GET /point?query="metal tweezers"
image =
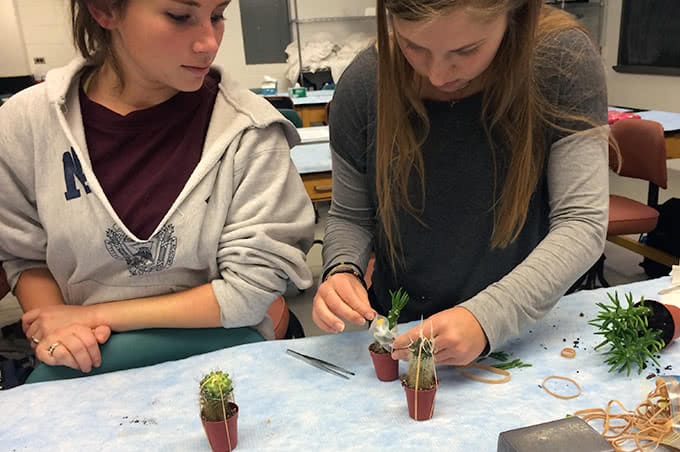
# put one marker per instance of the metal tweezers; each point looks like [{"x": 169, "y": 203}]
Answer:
[{"x": 321, "y": 364}]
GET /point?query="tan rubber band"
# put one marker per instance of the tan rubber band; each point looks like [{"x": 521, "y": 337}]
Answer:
[
  {"x": 568, "y": 352},
  {"x": 495, "y": 370},
  {"x": 559, "y": 396}
]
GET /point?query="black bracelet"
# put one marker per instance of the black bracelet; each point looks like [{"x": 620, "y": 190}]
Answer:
[{"x": 344, "y": 267}]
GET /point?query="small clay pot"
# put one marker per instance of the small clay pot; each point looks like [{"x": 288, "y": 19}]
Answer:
[
  {"x": 386, "y": 368},
  {"x": 420, "y": 403},
  {"x": 665, "y": 318},
  {"x": 223, "y": 439}
]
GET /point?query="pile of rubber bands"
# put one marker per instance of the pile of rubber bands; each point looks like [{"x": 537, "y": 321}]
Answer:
[{"x": 655, "y": 421}]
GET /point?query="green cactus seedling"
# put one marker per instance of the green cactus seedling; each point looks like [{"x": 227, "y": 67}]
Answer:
[{"x": 215, "y": 393}]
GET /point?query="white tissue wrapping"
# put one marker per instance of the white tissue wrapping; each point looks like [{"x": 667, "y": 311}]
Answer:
[{"x": 382, "y": 333}]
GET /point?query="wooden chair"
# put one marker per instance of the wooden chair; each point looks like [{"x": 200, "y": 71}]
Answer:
[{"x": 642, "y": 148}]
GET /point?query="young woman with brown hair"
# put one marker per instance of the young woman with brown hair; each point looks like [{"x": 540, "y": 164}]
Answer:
[
  {"x": 145, "y": 191},
  {"x": 470, "y": 155}
]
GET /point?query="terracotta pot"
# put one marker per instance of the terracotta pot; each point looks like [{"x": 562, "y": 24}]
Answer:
[
  {"x": 386, "y": 368},
  {"x": 420, "y": 403},
  {"x": 665, "y": 318},
  {"x": 675, "y": 314},
  {"x": 222, "y": 439}
]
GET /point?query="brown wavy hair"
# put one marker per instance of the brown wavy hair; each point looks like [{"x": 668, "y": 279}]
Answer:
[
  {"x": 92, "y": 40},
  {"x": 513, "y": 107}
]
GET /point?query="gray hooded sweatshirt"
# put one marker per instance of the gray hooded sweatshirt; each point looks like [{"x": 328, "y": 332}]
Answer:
[{"x": 242, "y": 222}]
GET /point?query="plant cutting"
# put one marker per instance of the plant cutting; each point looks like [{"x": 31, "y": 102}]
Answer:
[
  {"x": 635, "y": 332},
  {"x": 384, "y": 330},
  {"x": 219, "y": 412},
  {"x": 420, "y": 383}
]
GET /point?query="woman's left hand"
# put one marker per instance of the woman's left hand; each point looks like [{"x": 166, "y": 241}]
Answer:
[
  {"x": 42, "y": 322},
  {"x": 458, "y": 337}
]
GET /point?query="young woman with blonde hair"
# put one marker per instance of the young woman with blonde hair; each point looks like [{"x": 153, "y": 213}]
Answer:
[
  {"x": 145, "y": 192},
  {"x": 470, "y": 155}
]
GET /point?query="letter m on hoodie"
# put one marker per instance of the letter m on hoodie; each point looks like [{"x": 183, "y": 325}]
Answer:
[{"x": 73, "y": 171}]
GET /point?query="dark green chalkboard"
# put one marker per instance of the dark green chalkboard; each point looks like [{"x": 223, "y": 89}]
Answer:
[{"x": 649, "y": 41}]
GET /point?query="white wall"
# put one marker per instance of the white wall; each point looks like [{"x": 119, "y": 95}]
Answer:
[
  {"x": 47, "y": 32},
  {"x": 653, "y": 92},
  {"x": 13, "y": 60}
]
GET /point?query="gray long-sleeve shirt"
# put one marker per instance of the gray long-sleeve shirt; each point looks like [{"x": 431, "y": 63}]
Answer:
[{"x": 447, "y": 256}]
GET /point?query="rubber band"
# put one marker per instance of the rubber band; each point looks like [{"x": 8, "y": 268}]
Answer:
[
  {"x": 646, "y": 426},
  {"x": 568, "y": 352},
  {"x": 560, "y": 396},
  {"x": 495, "y": 370}
]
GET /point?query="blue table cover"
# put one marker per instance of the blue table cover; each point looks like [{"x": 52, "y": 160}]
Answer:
[{"x": 286, "y": 404}]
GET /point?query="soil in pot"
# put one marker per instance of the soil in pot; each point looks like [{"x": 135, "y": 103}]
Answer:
[{"x": 665, "y": 318}]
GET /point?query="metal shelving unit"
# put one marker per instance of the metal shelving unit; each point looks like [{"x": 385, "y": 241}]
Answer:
[{"x": 297, "y": 21}]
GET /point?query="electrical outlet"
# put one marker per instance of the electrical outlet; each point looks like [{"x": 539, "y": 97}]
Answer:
[{"x": 39, "y": 60}]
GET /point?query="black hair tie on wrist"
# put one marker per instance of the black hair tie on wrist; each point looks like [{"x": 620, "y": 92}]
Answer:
[{"x": 344, "y": 267}]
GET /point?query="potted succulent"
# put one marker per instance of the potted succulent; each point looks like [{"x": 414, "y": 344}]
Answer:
[
  {"x": 219, "y": 413},
  {"x": 635, "y": 332},
  {"x": 384, "y": 330},
  {"x": 420, "y": 383}
]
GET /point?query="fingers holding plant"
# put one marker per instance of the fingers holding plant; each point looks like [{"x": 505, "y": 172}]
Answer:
[
  {"x": 341, "y": 297},
  {"x": 458, "y": 337}
]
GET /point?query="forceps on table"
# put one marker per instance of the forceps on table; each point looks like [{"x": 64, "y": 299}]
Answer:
[{"x": 321, "y": 364}]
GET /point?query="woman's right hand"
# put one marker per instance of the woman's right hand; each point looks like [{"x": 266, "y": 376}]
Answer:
[
  {"x": 341, "y": 297},
  {"x": 75, "y": 346}
]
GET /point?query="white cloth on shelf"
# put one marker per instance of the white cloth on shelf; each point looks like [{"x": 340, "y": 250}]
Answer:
[{"x": 321, "y": 51}]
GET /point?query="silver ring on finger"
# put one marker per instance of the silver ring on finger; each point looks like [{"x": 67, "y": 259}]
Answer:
[
  {"x": 53, "y": 347},
  {"x": 35, "y": 340}
]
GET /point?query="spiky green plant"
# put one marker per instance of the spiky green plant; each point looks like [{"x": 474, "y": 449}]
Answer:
[
  {"x": 215, "y": 393},
  {"x": 399, "y": 301},
  {"x": 421, "y": 370},
  {"x": 627, "y": 332}
]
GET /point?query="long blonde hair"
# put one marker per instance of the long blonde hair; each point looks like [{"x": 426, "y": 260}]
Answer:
[{"x": 512, "y": 106}]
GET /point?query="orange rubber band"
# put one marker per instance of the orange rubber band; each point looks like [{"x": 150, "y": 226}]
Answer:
[
  {"x": 568, "y": 352},
  {"x": 495, "y": 370}
]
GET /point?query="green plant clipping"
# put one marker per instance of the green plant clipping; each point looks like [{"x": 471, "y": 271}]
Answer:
[
  {"x": 399, "y": 301},
  {"x": 505, "y": 363},
  {"x": 625, "y": 329},
  {"x": 215, "y": 393}
]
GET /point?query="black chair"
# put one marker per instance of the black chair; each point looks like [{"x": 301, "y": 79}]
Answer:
[
  {"x": 280, "y": 102},
  {"x": 12, "y": 85}
]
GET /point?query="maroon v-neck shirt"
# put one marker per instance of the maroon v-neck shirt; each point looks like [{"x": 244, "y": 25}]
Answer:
[{"x": 143, "y": 159}]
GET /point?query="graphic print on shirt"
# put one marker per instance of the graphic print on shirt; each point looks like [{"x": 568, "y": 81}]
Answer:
[
  {"x": 73, "y": 171},
  {"x": 153, "y": 255}
]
